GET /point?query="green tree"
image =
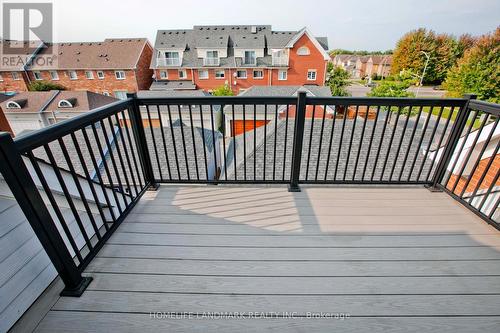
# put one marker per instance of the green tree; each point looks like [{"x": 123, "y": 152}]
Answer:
[
  {"x": 45, "y": 86},
  {"x": 393, "y": 89},
  {"x": 337, "y": 80},
  {"x": 223, "y": 90},
  {"x": 443, "y": 50},
  {"x": 478, "y": 71}
]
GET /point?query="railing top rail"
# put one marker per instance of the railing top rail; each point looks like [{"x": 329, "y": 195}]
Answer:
[
  {"x": 53, "y": 132},
  {"x": 488, "y": 107},
  {"x": 216, "y": 100},
  {"x": 387, "y": 101}
]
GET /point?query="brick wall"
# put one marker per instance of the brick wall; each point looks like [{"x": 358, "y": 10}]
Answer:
[
  {"x": 476, "y": 176},
  {"x": 109, "y": 84},
  {"x": 8, "y": 84},
  {"x": 143, "y": 73}
]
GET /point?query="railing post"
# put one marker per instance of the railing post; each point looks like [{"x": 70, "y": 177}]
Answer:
[
  {"x": 28, "y": 198},
  {"x": 142, "y": 145},
  {"x": 300, "y": 116},
  {"x": 454, "y": 137}
]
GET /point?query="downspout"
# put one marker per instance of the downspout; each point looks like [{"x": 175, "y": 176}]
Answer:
[
  {"x": 30, "y": 60},
  {"x": 41, "y": 114}
]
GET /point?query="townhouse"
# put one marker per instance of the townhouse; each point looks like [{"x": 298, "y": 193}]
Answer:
[
  {"x": 378, "y": 66},
  {"x": 240, "y": 56},
  {"x": 113, "y": 67},
  {"x": 13, "y": 67},
  {"x": 32, "y": 110}
]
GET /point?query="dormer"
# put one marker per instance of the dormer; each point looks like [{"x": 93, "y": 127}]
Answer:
[
  {"x": 170, "y": 47},
  {"x": 211, "y": 46},
  {"x": 248, "y": 47},
  {"x": 66, "y": 103},
  {"x": 16, "y": 104}
]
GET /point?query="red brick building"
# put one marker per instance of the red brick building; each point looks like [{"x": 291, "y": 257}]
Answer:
[
  {"x": 113, "y": 67},
  {"x": 13, "y": 74},
  {"x": 207, "y": 57}
]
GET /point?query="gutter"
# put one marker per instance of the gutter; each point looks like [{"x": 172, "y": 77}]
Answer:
[{"x": 44, "y": 106}]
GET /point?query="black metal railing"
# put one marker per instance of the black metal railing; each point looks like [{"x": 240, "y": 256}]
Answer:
[{"x": 77, "y": 180}]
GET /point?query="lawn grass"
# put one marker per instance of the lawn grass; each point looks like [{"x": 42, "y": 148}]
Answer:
[{"x": 446, "y": 115}]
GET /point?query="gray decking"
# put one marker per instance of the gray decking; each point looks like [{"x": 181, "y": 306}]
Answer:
[{"x": 394, "y": 259}]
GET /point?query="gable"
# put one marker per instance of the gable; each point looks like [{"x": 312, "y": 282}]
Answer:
[{"x": 305, "y": 33}]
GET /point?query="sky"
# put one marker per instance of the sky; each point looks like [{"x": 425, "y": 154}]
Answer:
[{"x": 348, "y": 24}]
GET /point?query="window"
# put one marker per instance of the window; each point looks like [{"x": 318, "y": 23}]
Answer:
[
  {"x": 282, "y": 75},
  {"x": 121, "y": 94},
  {"x": 72, "y": 75},
  {"x": 89, "y": 75},
  {"x": 172, "y": 59},
  {"x": 311, "y": 75},
  {"x": 258, "y": 74},
  {"x": 203, "y": 74},
  {"x": 302, "y": 51},
  {"x": 15, "y": 76},
  {"x": 163, "y": 75},
  {"x": 212, "y": 54},
  {"x": 13, "y": 105},
  {"x": 241, "y": 74},
  {"x": 105, "y": 93},
  {"x": 220, "y": 74},
  {"x": 100, "y": 75},
  {"x": 250, "y": 58},
  {"x": 120, "y": 75},
  {"x": 37, "y": 75},
  {"x": 64, "y": 103},
  {"x": 182, "y": 74},
  {"x": 54, "y": 75},
  {"x": 1, "y": 78}
]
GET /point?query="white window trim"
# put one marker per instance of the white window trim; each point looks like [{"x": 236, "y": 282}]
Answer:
[
  {"x": 73, "y": 78},
  {"x": 244, "y": 57},
  {"x": 118, "y": 76},
  {"x": 13, "y": 105},
  {"x": 91, "y": 75},
  {"x": 286, "y": 75},
  {"x": 223, "y": 74},
  {"x": 306, "y": 49},
  {"x": 164, "y": 77},
  {"x": 258, "y": 77},
  {"x": 52, "y": 77},
  {"x": 105, "y": 93},
  {"x": 39, "y": 74},
  {"x": 100, "y": 77},
  {"x": 184, "y": 74},
  {"x": 315, "y": 74},
  {"x": 1, "y": 78},
  {"x": 63, "y": 103},
  {"x": 242, "y": 77},
  {"x": 203, "y": 78},
  {"x": 15, "y": 76}
]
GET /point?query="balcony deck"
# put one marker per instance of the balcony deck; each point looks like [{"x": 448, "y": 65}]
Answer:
[{"x": 391, "y": 258}]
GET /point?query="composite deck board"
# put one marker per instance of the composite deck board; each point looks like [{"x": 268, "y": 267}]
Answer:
[
  {"x": 394, "y": 259},
  {"x": 296, "y": 254},
  {"x": 296, "y": 268},
  {"x": 90, "y": 322},
  {"x": 356, "y": 305}
]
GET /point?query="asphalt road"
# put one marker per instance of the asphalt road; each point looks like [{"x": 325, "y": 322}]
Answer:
[{"x": 358, "y": 90}]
